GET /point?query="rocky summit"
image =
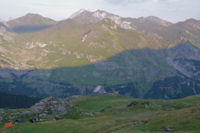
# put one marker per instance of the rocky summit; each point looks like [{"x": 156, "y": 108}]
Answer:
[{"x": 54, "y": 106}]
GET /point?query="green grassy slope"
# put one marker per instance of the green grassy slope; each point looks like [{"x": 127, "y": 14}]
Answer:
[
  {"x": 70, "y": 43},
  {"x": 119, "y": 114}
]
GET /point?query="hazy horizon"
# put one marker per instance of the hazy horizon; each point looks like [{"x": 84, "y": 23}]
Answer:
[{"x": 170, "y": 10}]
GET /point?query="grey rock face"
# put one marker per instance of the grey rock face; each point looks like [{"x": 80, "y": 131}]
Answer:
[
  {"x": 49, "y": 108},
  {"x": 55, "y": 106}
]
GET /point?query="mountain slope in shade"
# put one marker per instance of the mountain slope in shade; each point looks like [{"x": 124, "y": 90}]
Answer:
[
  {"x": 30, "y": 23},
  {"x": 140, "y": 73}
]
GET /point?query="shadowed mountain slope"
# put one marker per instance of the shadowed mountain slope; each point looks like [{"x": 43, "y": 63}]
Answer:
[{"x": 139, "y": 73}]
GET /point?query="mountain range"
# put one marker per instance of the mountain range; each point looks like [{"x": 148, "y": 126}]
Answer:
[{"x": 144, "y": 57}]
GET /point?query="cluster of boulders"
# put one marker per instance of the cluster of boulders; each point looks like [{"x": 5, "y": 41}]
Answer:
[{"x": 52, "y": 107}]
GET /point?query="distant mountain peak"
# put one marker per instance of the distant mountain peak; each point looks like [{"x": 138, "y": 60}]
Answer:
[
  {"x": 29, "y": 23},
  {"x": 85, "y": 16},
  {"x": 98, "y": 13},
  {"x": 101, "y": 11},
  {"x": 101, "y": 14},
  {"x": 31, "y": 18},
  {"x": 191, "y": 20},
  {"x": 158, "y": 20},
  {"x": 76, "y": 14},
  {"x": 92, "y": 16},
  {"x": 153, "y": 18},
  {"x": 190, "y": 24},
  {"x": 32, "y": 14}
]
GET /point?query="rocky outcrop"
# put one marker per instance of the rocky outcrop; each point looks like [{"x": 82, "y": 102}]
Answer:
[
  {"x": 48, "y": 108},
  {"x": 54, "y": 106}
]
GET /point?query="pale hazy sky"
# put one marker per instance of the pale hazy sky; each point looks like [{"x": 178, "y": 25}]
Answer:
[{"x": 171, "y": 10}]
